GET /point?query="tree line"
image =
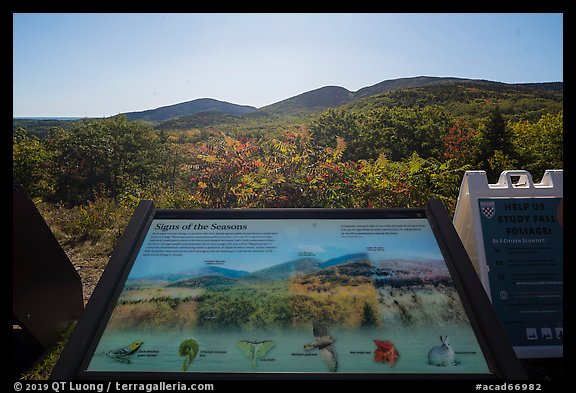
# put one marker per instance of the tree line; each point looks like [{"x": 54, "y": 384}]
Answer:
[{"x": 382, "y": 157}]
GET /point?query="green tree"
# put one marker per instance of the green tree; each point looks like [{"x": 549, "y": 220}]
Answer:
[
  {"x": 339, "y": 123},
  {"x": 497, "y": 151},
  {"x": 369, "y": 317},
  {"x": 31, "y": 163},
  {"x": 105, "y": 157},
  {"x": 395, "y": 132},
  {"x": 539, "y": 145}
]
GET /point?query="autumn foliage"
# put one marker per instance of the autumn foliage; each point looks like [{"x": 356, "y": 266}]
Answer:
[{"x": 375, "y": 161}]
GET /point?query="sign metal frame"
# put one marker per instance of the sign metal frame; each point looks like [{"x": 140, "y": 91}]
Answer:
[{"x": 497, "y": 351}]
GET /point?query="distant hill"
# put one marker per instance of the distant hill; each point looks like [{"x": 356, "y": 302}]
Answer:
[
  {"x": 469, "y": 99},
  {"x": 311, "y": 101},
  {"x": 200, "y": 272},
  {"x": 362, "y": 256},
  {"x": 197, "y": 120},
  {"x": 189, "y": 108},
  {"x": 288, "y": 269},
  {"x": 404, "y": 83},
  {"x": 41, "y": 126},
  {"x": 333, "y": 96},
  {"x": 544, "y": 86},
  {"x": 285, "y": 270},
  {"x": 460, "y": 96},
  {"x": 352, "y": 273},
  {"x": 204, "y": 282}
]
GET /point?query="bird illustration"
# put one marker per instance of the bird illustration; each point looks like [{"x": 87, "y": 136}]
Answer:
[
  {"x": 255, "y": 350},
  {"x": 123, "y": 354},
  {"x": 324, "y": 343},
  {"x": 188, "y": 348}
]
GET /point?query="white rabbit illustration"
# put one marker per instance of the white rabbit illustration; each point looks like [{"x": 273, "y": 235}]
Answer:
[{"x": 441, "y": 355}]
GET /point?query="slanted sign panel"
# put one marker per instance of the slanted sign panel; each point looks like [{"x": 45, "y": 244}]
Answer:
[
  {"x": 524, "y": 255},
  {"x": 303, "y": 295}
]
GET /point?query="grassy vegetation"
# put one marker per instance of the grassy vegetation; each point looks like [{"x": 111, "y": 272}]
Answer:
[
  {"x": 420, "y": 305},
  {"x": 166, "y": 313},
  {"x": 43, "y": 367}
]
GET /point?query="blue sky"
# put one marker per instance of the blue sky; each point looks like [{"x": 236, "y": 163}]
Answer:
[{"x": 103, "y": 64}]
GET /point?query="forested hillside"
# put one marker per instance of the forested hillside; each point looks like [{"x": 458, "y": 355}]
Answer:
[{"x": 394, "y": 149}]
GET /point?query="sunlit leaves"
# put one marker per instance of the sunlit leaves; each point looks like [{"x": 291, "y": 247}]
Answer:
[
  {"x": 31, "y": 164},
  {"x": 386, "y": 157},
  {"x": 540, "y": 144}
]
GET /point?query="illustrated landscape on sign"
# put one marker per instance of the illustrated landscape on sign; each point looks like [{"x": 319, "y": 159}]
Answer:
[{"x": 358, "y": 293}]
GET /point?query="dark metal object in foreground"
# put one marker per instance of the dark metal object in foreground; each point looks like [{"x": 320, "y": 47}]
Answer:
[{"x": 46, "y": 289}]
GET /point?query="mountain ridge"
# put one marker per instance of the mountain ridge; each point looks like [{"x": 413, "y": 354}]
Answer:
[
  {"x": 282, "y": 270},
  {"x": 187, "y": 108},
  {"x": 404, "y": 83},
  {"x": 197, "y": 272},
  {"x": 316, "y": 100}
]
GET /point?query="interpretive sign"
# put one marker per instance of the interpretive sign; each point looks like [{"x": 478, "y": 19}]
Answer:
[
  {"x": 523, "y": 243},
  {"x": 303, "y": 292},
  {"x": 519, "y": 256}
]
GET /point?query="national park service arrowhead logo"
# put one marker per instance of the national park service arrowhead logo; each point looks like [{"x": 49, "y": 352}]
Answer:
[{"x": 488, "y": 208}]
